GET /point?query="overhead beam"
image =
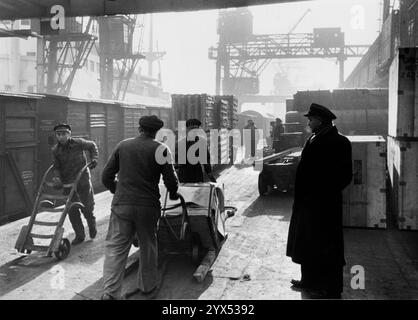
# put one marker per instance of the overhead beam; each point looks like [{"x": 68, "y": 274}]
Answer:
[{"x": 24, "y": 9}]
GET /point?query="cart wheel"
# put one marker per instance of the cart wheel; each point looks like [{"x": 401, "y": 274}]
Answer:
[
  {"x": 196, "y": 252},
  {"x": 63, "y": 249}
]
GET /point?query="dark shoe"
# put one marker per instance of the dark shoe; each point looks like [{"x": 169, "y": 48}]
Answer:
[
  {"x": 299, "y": 284},
  {"x": 77, "y": 240},
  {"x": 92, "y": 227},
  {"x": 107, "y": 296},
  {"x": 92, "y": 231}
]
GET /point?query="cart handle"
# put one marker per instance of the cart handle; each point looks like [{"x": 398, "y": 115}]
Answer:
[{"x": 184, "y": 219}]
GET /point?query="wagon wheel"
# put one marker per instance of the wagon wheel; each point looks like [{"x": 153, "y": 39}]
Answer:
[
  {"x": 63, "y": 249},
  {"x": 212, "y": 222}
]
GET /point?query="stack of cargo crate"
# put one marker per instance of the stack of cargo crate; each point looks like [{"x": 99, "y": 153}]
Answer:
[
  {"x": 232, "y": 111},
  {"x": 232, "y": 105},
  {"x": 302, "y": 100},
  {"x": 402, "y": 157},
  {"x": 194, "y": 106},
  {"x": 361, "y": 111},
  {"x": 212, "y": 113},
  {"x": 222, "y": 116},
  {"x": 364, "y": 200},
  {"x": 358, "y": 111},
  {"x": 289, "y": 105}
]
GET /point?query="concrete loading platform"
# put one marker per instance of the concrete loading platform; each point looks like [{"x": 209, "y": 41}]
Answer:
[{"x": 251, "y": 265}]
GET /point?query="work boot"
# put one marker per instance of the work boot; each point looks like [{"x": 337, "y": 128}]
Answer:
[
  {"x": 300, "y": 284},
  {"x": 78, "y": 227},
  {"x": 77, "y": 240},
  {"x": 92, "y": 228}
]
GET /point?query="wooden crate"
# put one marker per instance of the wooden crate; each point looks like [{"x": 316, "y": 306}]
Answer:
[
  {"x": 197, "y": 106},
  {"x": 403, "y": 173},
  {"x": 403, "y": 105},
  {"x": 364, "y": 200},
  {"x": 302, "y": 100}
]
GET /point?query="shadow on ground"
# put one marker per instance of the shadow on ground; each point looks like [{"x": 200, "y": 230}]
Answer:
[
  {"x": 24, "y": 269},
  {"x": 177, "y": 283},
  {"x": 275, "y": 203}
]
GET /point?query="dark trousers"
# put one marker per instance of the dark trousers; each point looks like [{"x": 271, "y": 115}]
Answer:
[
  {"x": 85, "y": 195},
  {"x": 327, "y": 277},
  {"x": 125, "y": 222}
]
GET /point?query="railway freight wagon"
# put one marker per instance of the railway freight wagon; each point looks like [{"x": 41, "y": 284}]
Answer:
[
  {"x": 27, "y": 139},
  {"x": 18, "y": 155},
  {"x": 131, "y": 113}
]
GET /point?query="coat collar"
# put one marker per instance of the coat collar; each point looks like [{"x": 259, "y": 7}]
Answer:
[{"x": 324, "y": 132}]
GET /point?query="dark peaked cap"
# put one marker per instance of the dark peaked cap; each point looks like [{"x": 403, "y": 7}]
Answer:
[
  {"x": 316, "y": 110},
  {"x": 151, "y": 122},
  {"x": 193, "y": 122},
  {"x": 62, "y": 127}
]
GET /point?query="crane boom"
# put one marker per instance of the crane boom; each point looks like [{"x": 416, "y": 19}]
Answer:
[{"x": 300, "y": 20}]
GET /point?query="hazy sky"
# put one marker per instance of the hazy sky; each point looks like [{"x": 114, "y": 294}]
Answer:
[{"x": 187, "y": 36}]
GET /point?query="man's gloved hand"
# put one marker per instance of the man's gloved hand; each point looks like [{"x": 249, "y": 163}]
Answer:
[
  {"x": 93, "y": 164},
  {"x": 211, "y": 177},
  {"x": 57, "y": 183},
  {"x": 174, "y": 196}
]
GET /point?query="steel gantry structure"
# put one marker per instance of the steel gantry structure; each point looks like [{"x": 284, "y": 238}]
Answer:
[
  {"x": 246, "y": 60},
  {"x": 61, "y": 55}
]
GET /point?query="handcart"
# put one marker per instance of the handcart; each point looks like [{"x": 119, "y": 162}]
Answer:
[
  {"x": 46, "y": 201},
  {"x": 195, "y": 225}
]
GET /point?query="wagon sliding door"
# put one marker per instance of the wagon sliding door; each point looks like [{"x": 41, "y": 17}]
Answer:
[{"x": 18, "y": 157}]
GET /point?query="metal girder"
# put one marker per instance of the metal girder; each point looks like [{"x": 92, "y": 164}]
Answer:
[
  {"x": 24, "y": 9},
  {"x": 249, "y": 59},
  {"x": 63, "y": 56},
  {"x": 284, "y": 46}
]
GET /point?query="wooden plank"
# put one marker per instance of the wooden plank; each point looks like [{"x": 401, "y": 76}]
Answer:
[{"x": 201, "y": 271}]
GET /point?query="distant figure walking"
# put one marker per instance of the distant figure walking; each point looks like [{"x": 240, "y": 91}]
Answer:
[
  {"x": 250, "y": 150},
  {"x": 278, "y": 129}
]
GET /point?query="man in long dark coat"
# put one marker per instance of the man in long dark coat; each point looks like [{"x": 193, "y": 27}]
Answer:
[{"x": 315, "y": 239}]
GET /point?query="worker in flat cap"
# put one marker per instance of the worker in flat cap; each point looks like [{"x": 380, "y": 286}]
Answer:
[
  {"x": 132, "y": 174},
  {"x": 69, "y": 157},
  {"x": 193, "y": 173},
  {"x": 315, "y": 238}
]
